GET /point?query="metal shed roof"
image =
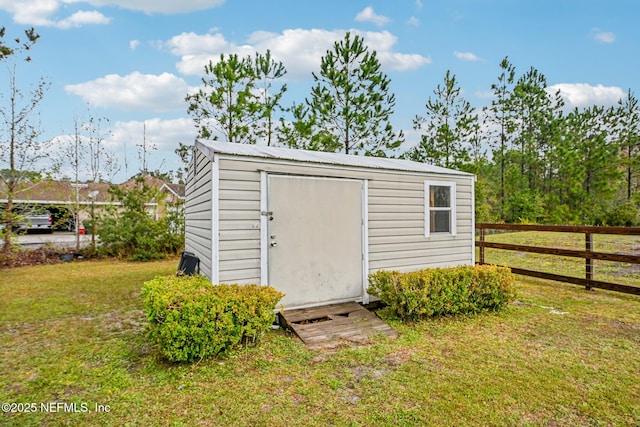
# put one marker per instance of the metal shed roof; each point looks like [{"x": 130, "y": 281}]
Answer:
[{"x": 209, "y": 148}]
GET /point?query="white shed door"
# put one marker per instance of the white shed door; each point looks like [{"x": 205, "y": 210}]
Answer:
[{"x": 315, "y": 239}]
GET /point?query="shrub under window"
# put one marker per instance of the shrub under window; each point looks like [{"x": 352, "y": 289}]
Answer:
[{"x": 443, "y": 291}]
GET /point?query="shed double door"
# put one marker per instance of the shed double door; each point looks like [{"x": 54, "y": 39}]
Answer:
[{"x": 315, "y": 239}]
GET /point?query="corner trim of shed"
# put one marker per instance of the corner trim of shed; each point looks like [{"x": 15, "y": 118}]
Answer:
[{"x": 215, "y": 219}]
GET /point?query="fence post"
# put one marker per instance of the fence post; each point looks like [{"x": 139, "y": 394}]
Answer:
[
  {"x": 589, "y": 261},
  {"x": 481, "y": 245}
]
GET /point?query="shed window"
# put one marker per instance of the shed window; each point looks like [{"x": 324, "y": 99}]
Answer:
[{"x": 440, "y": 208}]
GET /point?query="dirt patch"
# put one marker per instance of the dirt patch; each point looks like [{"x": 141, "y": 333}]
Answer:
[{"x": 24, "y": 258}]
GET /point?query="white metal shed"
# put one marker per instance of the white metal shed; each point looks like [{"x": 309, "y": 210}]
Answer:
[{"x": 315, "y": 224}]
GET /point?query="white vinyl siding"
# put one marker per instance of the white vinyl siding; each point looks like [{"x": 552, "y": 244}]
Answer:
[
  {"x": 396, "y": 210},
  {"x": 397, "y": 228},
  {"x": 198, "y": 208},
  {"x": 239, "y": 222}
]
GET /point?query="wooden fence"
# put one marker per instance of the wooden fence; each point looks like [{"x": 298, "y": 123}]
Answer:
[{"x": 588, "y": 254}]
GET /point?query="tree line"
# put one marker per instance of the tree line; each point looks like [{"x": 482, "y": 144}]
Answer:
[{"x": 535, "y": 161}]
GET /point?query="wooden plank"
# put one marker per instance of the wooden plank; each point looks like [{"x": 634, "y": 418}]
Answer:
[
  {"x": 635, "y": 290},
  {"x": 315, "y": 312},
  {"x": 329, "y": 325},
  {"x": 628, "y": 231},
  {"x": 588, "y": 254},
  {"x": 603, "y": 256}
]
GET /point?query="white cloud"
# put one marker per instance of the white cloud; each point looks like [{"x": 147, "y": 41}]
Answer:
[
  {"x": 123, "y": 138},
  {"x": 164, "y": 135},
  {"x": 161, "y": 136},
  {"x": 30, "y": 12},
  {"x": 81, "y": 18},
  {"x": 155, "y": 6},
  {"x": 585, "y": 95},
  {"x": 136, "y": 91},
  {"x": 413, "y": 21},
  {"x": 44, "y": 13},
  {"x": 186, "y": 44},
  {"x": 603, "y": 36},
  {"x": 368, "y": 15},
  {"x": 300, "y": 50},
  {"x": 466, "y": 56}
]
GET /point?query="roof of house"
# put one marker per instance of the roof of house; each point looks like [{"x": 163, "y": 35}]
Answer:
[
  {"x": 64, "y": 192},
  {"x": 61, "y": 191},
  {"x": 152, "y": 181},
  {"x": 209, "y": 148}
]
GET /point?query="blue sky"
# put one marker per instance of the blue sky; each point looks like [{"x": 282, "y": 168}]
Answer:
[{"x": 133, "y": 61}]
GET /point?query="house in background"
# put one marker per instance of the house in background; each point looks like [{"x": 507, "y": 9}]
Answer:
[
  {"x": 314, "y": 225},
  {"x": 62, "y": 198},
  {"x": 169, "y": 193}
]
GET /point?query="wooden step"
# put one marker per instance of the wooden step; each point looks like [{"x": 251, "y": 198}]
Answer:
[{"x": 330, "y": 325}]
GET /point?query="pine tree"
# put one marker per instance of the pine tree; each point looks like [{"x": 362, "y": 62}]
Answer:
[
  {"x": 351, "y": 103},
  {"x": 538, "y": 125},
  {"x": 586, "y": 164},
  {"x": 267, "y": 71},
  {"x": 448, "y": 126},
  {"x": 226, "y": 104},
  {"x": 628, "y": 113},
  {"x": 499, "y": 115}
]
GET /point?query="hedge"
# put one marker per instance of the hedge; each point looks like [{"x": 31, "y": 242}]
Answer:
[
  {"x": 443, "y": 291},
  {"x": 190, "y": 319}
]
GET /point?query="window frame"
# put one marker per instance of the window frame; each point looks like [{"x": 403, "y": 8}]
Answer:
[{"x": 428, "y": 209}]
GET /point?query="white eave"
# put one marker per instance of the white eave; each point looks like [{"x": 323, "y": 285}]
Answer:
[{"x": 209, "y": 148}]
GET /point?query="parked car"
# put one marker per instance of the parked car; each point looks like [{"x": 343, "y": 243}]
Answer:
[{"x": 35, "y": 220}]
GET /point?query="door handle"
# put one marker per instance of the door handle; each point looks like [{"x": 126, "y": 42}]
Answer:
[{"x": 274, "y": 244}]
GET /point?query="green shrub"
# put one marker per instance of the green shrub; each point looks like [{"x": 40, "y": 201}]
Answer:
[
  {"x": 191, "y": 319},
  {"x": 130, "y": 229},
  {"x": 625, "y": 215},
  {"x": 443, "y": 291}
]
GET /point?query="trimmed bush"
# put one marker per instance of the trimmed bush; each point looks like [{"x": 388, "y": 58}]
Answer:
[
  {"x": 443, "y": 291},
  {"x": 190, "y": 319}
]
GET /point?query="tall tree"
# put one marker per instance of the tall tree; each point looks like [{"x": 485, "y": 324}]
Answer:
[
  {"x": 448, "y": 127},
  {"x": 537, "y": 126},
  {"x": 351, "y": 101},
  {"x": 628, "y": 132},
  {"x": 239, "y": 98},
  {"x": 20, "y": 146},
  {"x": 267, "y": 71},
  {"x": 301, "y": 131},
  {"x": 102, "y": 164},
  {"x": 586, "y": 167},
  {"x": 499, "y": 116},
  {"x": 83, "y": 156},
  {"x": 226, "y": 104}
]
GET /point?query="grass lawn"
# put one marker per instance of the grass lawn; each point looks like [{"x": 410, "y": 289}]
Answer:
[{"x": 73, "y": 342}]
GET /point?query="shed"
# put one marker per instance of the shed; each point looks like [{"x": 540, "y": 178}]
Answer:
[{"x": 314, "y": 225}]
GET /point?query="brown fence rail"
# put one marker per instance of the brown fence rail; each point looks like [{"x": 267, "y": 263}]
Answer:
[{"x": 588, "y": 254}]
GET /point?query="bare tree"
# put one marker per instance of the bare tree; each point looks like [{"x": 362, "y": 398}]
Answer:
[
  {"x": 82, "y": 156},
  {"x": 20, "y": 144}
]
